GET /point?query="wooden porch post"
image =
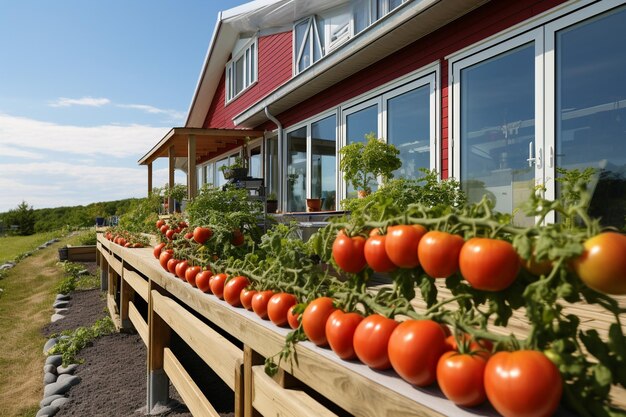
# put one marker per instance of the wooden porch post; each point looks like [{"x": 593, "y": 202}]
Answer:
[
  {"x": 149, "y": 179},
  {"x": 192, "y": 174},
  {"x": 171, "y": 158}
]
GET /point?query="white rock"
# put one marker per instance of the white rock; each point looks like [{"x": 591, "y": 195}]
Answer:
[{"x": 56, "y": 317}]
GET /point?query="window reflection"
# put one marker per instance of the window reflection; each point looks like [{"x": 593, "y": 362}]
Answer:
[
  {"x": 591, "y": 109},
  {"x": 323, "y": 161},
  {"x": 359, "y": 124},
  {"x": 271, "y": 170},
  {"x": 296, "y": 170},
  {"x": 408, "y": 128}
]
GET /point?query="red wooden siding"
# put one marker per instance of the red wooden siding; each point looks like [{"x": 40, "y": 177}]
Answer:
[
  {"x": 483, "y": 22},
  {"x": 275, "y": 61}
]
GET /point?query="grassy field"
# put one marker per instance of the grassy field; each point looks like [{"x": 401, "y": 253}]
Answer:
[
  {"x": 11, "y": 246},
  {"x": 25, "y": 307}
]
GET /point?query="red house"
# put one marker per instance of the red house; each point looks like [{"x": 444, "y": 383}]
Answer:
[{"x": 499, "y": 94}]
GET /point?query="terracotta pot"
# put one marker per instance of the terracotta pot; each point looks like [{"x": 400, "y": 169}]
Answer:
[
  {"x": 313, "y": 204},
  {"x": 362, "y": 193},
  {"x": 272, "y": 206}
]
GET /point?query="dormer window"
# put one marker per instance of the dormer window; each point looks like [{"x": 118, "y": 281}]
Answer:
[
  {"x": 317, "y": 35},
  {"x": 241, "y": 71}
]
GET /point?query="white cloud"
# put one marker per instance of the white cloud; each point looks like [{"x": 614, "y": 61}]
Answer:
[
  {"x": 106, "y": 140},
  {"x": 53, "y": 184},
  {"x": 84, "y": 101},
  {"x": 154, "y": 110},
  {"x": 19, "y": 153}
]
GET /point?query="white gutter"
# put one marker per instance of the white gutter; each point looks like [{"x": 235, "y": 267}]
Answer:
[{"x": 281, "y": 178}]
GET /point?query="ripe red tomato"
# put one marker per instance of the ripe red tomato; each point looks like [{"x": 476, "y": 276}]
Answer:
[
  {"x": 602, "y": 266},
  {"x": 164, "y": 228},
  {"x": 438, "y": 253},
  {"x": 460, "y": 377},
  {"x": 293, "y": 318},
  {"x": 181, "y": 268},
  {"x": 191, "y": 273},
  {"x": 160, "y": 223},
  {"x": 237, "y": 238},
  {"x": 259, "y": 303},
  {"x": 245, "y": 296},
  {"x": 202, "y": 234},
  {"x": 203, "y": 280},
  {"x": 523, "y": 383},
  {"x": 348, "y": 252},
  {"x": 340, "y": 328},
  {"x": 371, "y": 338},
  {"x": 217, "y": 284},
  {"x": 314, "y": 319},
  {"x": 489, "y": 264},
  {"x": 401, "y": 244},
  {"x": 164, "y": 258},
  {"x": 171, "y": 265},
  {"x": 376, "y": 255},
  {"x": 188, "y": 235},
  {"x": 233, "y": 288},
  {"x": 170, "y": 234},
  {"x": 278, "y": 306},
  {"x": 415, "y": 346}
]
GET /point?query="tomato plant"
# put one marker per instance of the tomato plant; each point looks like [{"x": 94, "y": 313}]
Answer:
[
  {"x": 217, "y": 284},
  {"x": 314, "y": 319},
  {"x": 602, "y": 265},
  {"x": 203, "y": 280},
  {"x": 375, "y": 253},
  {"x": 438, "y": 253},
  {"x": 371, "y": 338},
  {"x": 260, "y": 301},
  {"x": 524, "y": 383},
  {"x": 278, "y": 307},
  {"x": 415, "y": 347},
  {"x": 233, "y": 288},
  {"x": 402, "y": 242},
  {"x": 340, "y": 328},
  {"x": 348, "y": 252},
  {"x": 460, "y": 377},
  {"x": 489, "y": 264}
]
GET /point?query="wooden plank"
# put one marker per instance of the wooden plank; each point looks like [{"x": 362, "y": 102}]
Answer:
[
  {"x": 116, "y": 264},
  {"x": 137, "y": 283},
  {"x": 270, "y": 399},
  {"x": 220, "y": 354},
  {"x": 113, "y": 312},
  {"x": 193, "y": 398},
  {"x": 239, "y": 391},
  {"x": 158, "y": 333},
  {"x": 250, "y": 359},
  {"x": 138, "y": 322}
]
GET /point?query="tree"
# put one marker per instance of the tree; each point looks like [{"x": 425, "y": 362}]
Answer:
[{"x": 24, "y": 217}]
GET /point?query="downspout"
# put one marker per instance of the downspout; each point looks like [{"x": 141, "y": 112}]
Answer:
[{"x": 281, "y": 177}]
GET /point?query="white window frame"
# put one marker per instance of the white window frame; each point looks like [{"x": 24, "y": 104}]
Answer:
[
  {"x": 541, "y": 29},
  {"x": 309, "y": 157},
  {"x": 312, "y": 34},
  {"x": 255, "y": 143},
  {"x": 250, "y": 54}
]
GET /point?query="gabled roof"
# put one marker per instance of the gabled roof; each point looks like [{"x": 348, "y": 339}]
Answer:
[{"x": 409, "y": 22}]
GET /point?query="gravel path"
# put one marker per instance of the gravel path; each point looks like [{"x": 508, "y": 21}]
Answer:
[{"x": 113, "y": 374}]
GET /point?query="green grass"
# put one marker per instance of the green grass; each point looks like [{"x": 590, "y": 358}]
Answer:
[
  {"x": 12, "y": 246},
  {"x": 25, "y": 307}
]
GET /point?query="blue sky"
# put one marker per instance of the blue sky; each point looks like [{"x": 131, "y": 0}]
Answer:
[{"x": 87, "y": 87}]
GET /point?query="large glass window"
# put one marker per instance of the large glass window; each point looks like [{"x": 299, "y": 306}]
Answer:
[
  {"x": 498, "y": 127},
  {"x": 309, "y": 42},
  {"x": 271, "y": 166},
  {"x": 409, "y": 129},
  {"x": 323, "y": 161},
  {"x": 358, "y": 124},
  {"x": 591, "y": 109},
  {"x": 255, "y": 162},
  {"x": 296, "y": 170},
  {"x": 219, "y": 175}
]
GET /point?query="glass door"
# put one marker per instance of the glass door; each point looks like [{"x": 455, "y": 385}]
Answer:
[{"x": 498, "y": 130}]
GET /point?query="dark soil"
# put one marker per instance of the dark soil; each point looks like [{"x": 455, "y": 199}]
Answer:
[{"x": 113, "y": 374}]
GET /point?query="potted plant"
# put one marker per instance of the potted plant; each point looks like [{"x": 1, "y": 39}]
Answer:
[
  {"x": 362, "y": 163},
  {"x": 178, "y": 193},
  {"x": 239, "y": 169},
  {"x": 271, "y": 203},
  {"x": 313, "y": 204}
]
